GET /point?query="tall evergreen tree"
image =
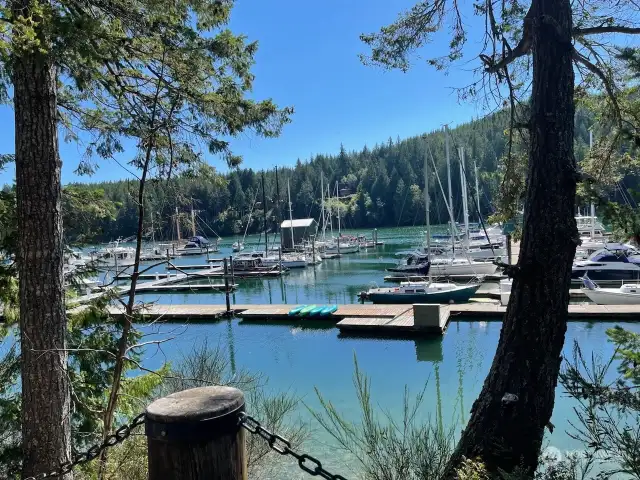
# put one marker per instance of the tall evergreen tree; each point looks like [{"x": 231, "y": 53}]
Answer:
[
  {"x": 89, "y": 64},
  {"x": 509, "y": 417}
]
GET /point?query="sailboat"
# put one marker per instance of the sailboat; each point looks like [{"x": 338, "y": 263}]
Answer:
[
  {"x": 424, "y": 291},
  {"x": 341, "y": 244},
  {"x": 448, "y": 264},
  {"x": 238, "y": 245}
]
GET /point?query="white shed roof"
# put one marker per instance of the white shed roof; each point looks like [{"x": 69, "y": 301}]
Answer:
[{"x": 299, "y": 223}]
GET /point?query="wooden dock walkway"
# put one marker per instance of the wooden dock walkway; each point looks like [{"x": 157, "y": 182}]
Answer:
[{"x": 386, "y": 320}]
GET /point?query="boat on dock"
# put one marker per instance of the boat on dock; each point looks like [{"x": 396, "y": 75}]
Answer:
[
  {"x": 341, "y": 246},
  {"x": 198, "y": 245},
  {"x": 422, "y": 292},
  {"x": 426, "y": 291},
  {"x": 416, "y": 264},
  {"x": 253, "y": 265},
  {"x": 114, "y": 255},
  {"x": 614, "y": 262},
  {"x": 627, "y": 294}
]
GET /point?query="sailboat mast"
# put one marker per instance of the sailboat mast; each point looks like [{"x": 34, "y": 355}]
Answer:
[
  {"x": 153, "y": 230},
  {"x": 264, "y": 210},
  {"x": 338, "y": 208},
  {"x": 446, "y": 149},
  {"x": 465, "y": 206},
  {"x": 329, "y": 212},
  {"x": 593, "y": 207},
  {"x": 324, "y": 219},
  {"x": 290, "y": 215},
  {"x": 193, "y": 221},
  {"x": 427, "y": 205},
  {"x": 279, "y": 219},
  {"x": 475, "y": 169},
  {"x": 178, "y": 225}
]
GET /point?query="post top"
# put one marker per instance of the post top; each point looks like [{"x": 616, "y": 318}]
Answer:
[{"x": 196, "y": 404}]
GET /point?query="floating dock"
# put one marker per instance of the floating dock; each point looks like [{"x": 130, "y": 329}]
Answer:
[{"x": 385, "y": 320}]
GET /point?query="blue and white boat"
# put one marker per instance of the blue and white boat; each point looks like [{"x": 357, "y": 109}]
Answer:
[
  {"x": 427, "y": 291},
  {"x": 423, "y": 292},
  {"x": 616, "y": 261}
]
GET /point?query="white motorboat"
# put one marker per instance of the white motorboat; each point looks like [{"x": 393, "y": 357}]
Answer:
[
  {"x": 288, "y": 261},
  {"x": 590, "y": 226},
  {"x": 342, "y": 247},
  {"x": 115, "y": 256},
  {"x": 237, "y": 246},
  {"x": 627, "y": 294},
  {"x": 444, "y": 267},
  {"x": 614, "y": 262}
]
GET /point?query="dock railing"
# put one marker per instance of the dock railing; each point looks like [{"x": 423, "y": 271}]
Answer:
[{"x": 197, "y": 434}]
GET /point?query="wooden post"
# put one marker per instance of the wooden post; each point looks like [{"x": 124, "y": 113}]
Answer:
[
  {"x": 207, "y": 253},
  {"x": 508, "y": 249},
  {"x": 313, "y": 250},
  {"x": 226, "y": 284},
  {"x": 233, "y": 278},
  {"x": 195, "y": 435}
]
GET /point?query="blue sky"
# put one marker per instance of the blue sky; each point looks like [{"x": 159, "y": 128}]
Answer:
[{"x": 308, "y": 59}]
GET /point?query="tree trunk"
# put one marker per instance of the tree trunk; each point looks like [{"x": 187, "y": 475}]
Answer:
[
  {"x": 45, "y": 384},
  {"x": 508, "y": 419}
]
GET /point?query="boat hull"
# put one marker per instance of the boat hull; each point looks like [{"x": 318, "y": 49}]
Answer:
[
  {"x": 447, "y": 269},
  {"x": 343, "y": 249},
  {"x": 605, "y": 274},
  {"x": 611, "y": 296},
  {"x": 459, "y": 295}
]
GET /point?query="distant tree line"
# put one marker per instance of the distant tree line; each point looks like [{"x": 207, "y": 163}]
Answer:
[{"x": 381, "y": 186}]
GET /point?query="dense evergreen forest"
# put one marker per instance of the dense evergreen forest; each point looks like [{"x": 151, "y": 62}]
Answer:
[{"x": 379, "y": 186}]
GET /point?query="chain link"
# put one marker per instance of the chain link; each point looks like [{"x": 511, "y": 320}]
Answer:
[
  {"x": 93, "y": 452},
  {"x": 281, "y": 445}
]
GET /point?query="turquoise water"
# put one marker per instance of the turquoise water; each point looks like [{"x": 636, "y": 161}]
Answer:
[{"x": 300, "y": 358}]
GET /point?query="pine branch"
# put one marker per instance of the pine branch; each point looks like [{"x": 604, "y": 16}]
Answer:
[{"x": 578, "y": 32}]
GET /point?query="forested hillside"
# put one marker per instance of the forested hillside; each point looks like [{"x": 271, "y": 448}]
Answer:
[{"x": 380, "y": 186}]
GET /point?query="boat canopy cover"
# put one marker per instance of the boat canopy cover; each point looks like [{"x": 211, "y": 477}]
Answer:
[{"x": 199, "y": 240}]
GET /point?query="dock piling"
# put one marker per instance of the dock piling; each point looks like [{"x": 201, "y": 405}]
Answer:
[
  {"x": 226, "y": 285},
  {"x": 195, "y": 435}
]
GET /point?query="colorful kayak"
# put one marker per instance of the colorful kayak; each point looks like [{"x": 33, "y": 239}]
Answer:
[
  {"x": 306, "y": 310},
  {"x": 316, "y": 311},
  {"x": 297, "y": 310},
  {"x": 326, "y": 311}
]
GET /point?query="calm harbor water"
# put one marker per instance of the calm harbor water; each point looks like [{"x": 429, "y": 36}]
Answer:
[{"x": 303, "y": 357}]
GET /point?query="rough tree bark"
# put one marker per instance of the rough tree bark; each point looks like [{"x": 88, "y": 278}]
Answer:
[
  {"x": 508, "y": 419},
  {"x": 45, "y": 385}
]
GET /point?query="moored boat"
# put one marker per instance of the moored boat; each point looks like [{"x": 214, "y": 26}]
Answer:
[
  {"x": 627, "y": 294},
  {"x": 422, "y": 292},
  {"x": 614, "y": 262},
  {"x": 416, "y": 264}
]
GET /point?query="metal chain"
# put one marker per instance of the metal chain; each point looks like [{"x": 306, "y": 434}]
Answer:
[
  {"x": 279, "y": 444},
  {"x": 92, "y": 453}
]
